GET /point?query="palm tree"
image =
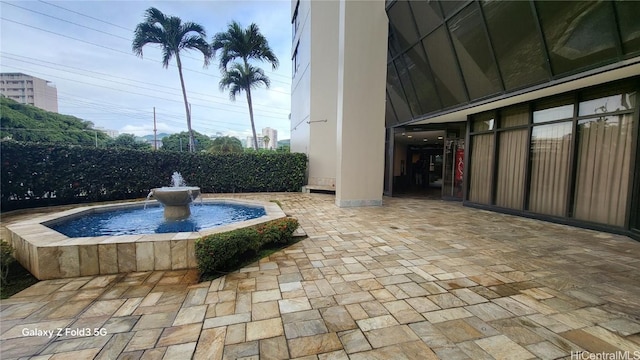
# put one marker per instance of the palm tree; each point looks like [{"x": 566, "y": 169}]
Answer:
[
  {"x": 243, "y": 44},
  {"x": 172, "y": 35},
  {"x": 265, "y": 140},
  {"x": 225, "y": 145}
]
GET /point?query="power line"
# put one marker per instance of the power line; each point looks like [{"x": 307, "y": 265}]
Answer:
[
  {"x": 67, "y": 21},
  {"x": 85, "y": 15},
  {"x": 136, "y": 93},
  {"x": 130, "y": 30},
  {"x": 4, "y": 53},
  {"x": 21, "y": 59},
  {"x": 116, "y": 50}
]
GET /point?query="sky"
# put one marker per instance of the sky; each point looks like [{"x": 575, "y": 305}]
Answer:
[{"x": 84, "y": 49}]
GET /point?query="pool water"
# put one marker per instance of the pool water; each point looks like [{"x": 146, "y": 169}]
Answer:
[{"x": 151, "y": 220}]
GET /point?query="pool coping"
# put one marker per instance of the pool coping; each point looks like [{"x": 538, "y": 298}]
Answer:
[{"x": 48, "y": 254}]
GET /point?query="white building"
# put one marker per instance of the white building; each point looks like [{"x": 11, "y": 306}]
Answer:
[
  {"x": 270, "y": 133},
  {"x": 31, "y": 90}
]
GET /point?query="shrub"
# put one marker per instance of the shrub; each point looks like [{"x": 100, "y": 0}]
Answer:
[
  {"x": 278, "y": 231},
  {"x": 6, "y": 259},
  {"x": 42, "y": 175},
  {"x": 223, "y": 251}
]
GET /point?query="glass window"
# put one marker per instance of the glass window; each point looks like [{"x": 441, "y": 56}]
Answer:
[
  {"x": 396, "y": 95},
  {"x": 481, "y": 167},
  {"x": 474, "y": 53},
  {"x": 445, "y": 70},
  {"x": 402, "y": 24},
  {"x": 451, "y": 6},
  {"x": 423, "y": 82},
  {"x": 516, "y": 42},
  {"x": 512, "y": 164},
  {"x": 514, "y": 116},
  {"x": 554, "y": 109},
  {"x": 483, "y": 122},
  {"x": 603, "y": 168},
  {"x": 390, "y": 116},
  {"x": 427, "y": 15},
  {"x": 550, "y": 168},
  {"x": 602, "y": 102},
  {"x": 407, "y": 85},
  {"x": 627, "y": 11},
  {"x": 578, "y": 34}
]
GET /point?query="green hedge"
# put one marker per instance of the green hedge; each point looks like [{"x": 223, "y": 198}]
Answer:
[
  {"x": 38, "y": 175},
  {"x": 224, "y": 251}
]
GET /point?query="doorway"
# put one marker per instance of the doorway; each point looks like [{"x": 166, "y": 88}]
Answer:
[{"x": 418, "y": 163}]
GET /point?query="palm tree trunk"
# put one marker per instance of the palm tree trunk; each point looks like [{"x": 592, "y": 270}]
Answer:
[
  {"x": 192, "y": 145},
  {"x": 253, "y": 125}
]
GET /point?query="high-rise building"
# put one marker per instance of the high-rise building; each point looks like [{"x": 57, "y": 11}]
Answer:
[
  {"x": 263, "y": 143},
  {"x": 526, "y": 107},
  {"x": 30, "y": 90},
  {"x": 272, "y": 135}
]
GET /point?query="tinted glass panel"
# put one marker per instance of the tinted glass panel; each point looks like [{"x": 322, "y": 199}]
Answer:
[
  {"x": 407, "y": 85},
  {"x": 555, "y": 109},
  {"x": 450, "y": 6},
  {"x": 579, "y": 34},
  {"x": 516, "y": 42},
  {"x": 474, "y": 53},
  {"x": 606, "y": 101},
  {"x": 483, "y": 122},
  {"x": 427, "y": 15},
  {"x": 423, "y": 82},
  {"x": 394, "y": 89},
  {"x": 390, "y": 116},
  {"x": 445, "y": 71},
  {"x": 603, "y": 167},
  {"x": 514, "y": 116},
  {"x": 550, "y": 168},
  {"x": 628, "y": 11},
  {"x": 402, "y": 24}
]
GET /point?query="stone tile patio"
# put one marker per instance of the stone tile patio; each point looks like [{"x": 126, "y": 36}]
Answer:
[{"x": 413, "y": 279}]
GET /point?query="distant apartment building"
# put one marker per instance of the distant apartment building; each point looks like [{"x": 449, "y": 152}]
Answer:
[
  {"x": 268, "y": 140},
  {"x": 110, "y": 132},
  {"x": 27, "y": 89}
]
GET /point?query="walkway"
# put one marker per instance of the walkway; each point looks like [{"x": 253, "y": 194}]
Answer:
[{"x": 413, "y": 279}]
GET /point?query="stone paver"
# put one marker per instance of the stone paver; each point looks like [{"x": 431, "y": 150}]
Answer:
[{"x": 413, "y": 279}]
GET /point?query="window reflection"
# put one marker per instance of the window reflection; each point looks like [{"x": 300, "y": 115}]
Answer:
[
  {"x": 474, "y": 54},
  {"x": 607, "y": 104},
  {"x": 443, "y": 63},
  {"x": 483, "y": 122},
  {"x": 556, "y": 113},
  {"x": 578, "y": 33},
  {"x": 627, "y": 12},
  {"x": 401, "y": 21},
  {"x": 518, "y": 47},
  {"x": 423, "y": 82},
  {"x": 427, "y": 15},
  {"x": 394, "y": 89}
]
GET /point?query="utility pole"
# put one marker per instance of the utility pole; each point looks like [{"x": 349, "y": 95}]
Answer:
[
  {"x": 96, "y": 137},
  {"x": 155, "y": 131}
]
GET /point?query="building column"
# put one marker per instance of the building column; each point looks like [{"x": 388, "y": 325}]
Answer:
[{"x": 362, "y": 56}]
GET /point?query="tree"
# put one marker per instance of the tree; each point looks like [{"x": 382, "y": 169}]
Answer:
[
  {"x": 265, "y": 140},
  {"x": 180, "y": 141},
  {"x": 243, "y": 44},
  {"x": 225, "y": 145},
  {"x": 172, "y": 36},
  {"x": 128, "y": 141}
]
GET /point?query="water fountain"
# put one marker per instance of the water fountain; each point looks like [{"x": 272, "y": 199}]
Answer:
[{"x": 175, "y": 198}]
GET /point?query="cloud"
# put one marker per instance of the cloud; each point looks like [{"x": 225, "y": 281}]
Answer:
[{"x": 99, "y": 79}]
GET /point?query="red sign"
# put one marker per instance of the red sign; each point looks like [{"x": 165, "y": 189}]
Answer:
[{"x": 459, "y": 165}]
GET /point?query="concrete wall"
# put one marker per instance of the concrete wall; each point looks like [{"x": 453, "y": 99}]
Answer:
[{"x": 361, "y": 102}]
